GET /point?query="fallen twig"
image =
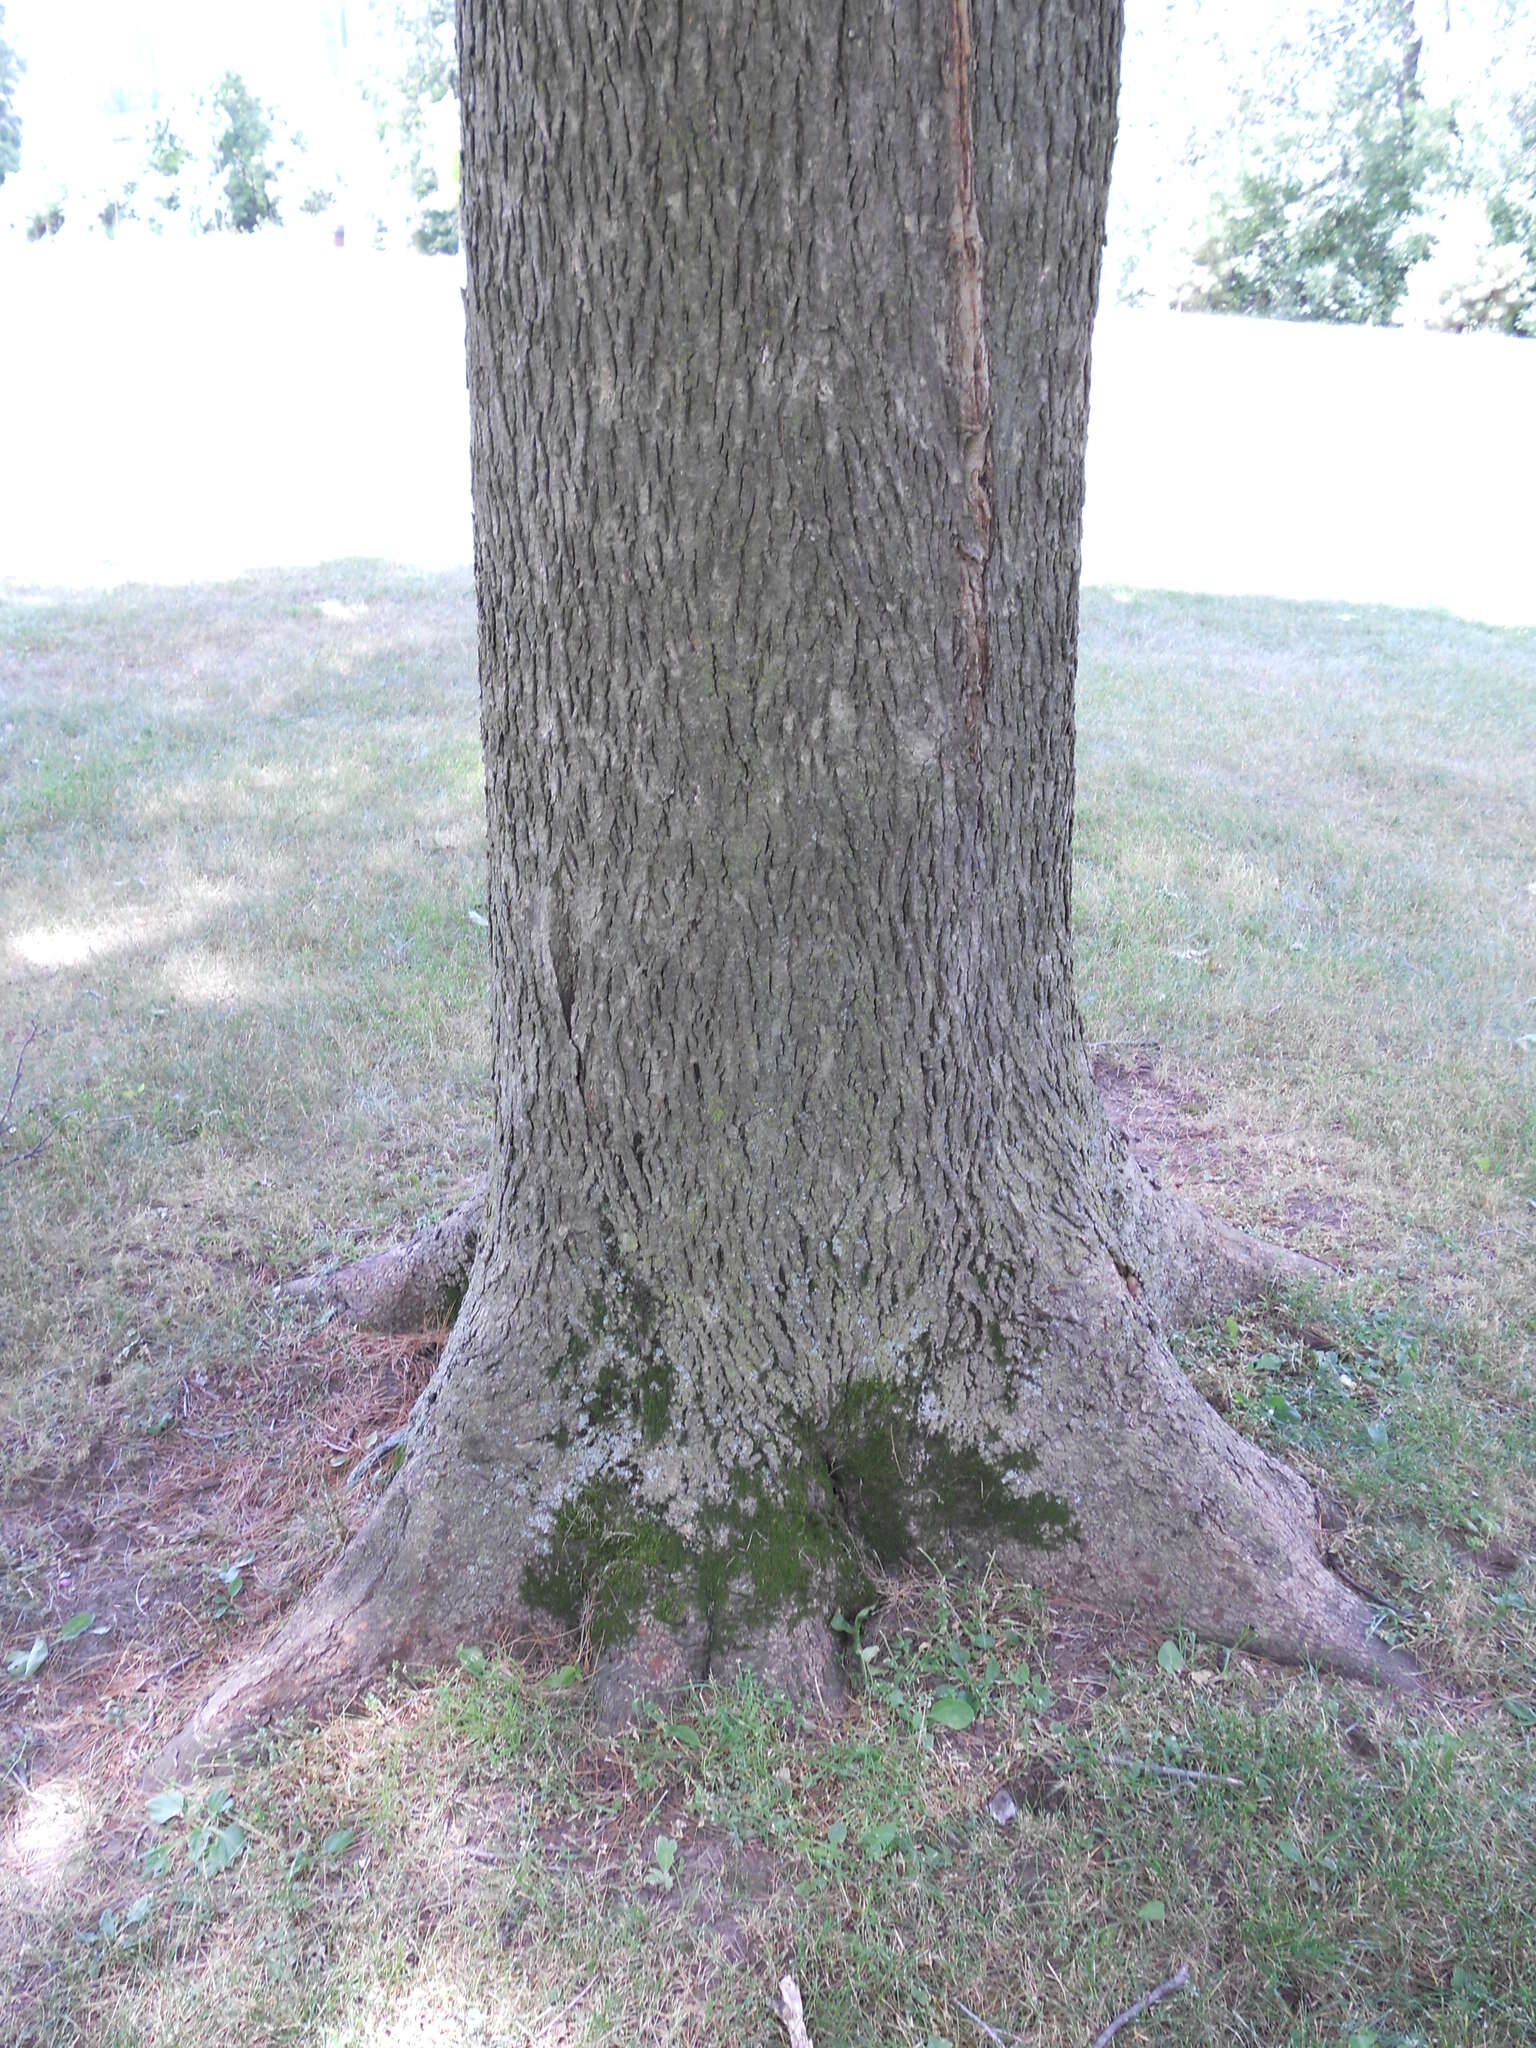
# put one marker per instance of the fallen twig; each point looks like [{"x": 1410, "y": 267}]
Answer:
[
  {"x": 381, "y": 1449},
  {"x": 792, "y": 2013},
  {"x": 153, "y": 1677},
  {"x": 569, "y": 2007},
  {"x": 1166, "y": 1989},
  {"x": 1187, "y": 1774},
  {"x": 976, "y": 2020},
  {"x": 19, "y": 1158},
  {"x": 10, "y": 1100}
]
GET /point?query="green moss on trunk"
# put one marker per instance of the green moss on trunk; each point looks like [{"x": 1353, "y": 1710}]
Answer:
[
  {"x": 872, "y": 1489},
  {"x": 758, "y": 1559}
]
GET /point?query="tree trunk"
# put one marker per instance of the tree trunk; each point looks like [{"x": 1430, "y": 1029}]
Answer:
[{"x": 807, "y": 1247}]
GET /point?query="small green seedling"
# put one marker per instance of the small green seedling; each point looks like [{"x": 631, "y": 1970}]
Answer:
[{"x": 229, "y": 1584}]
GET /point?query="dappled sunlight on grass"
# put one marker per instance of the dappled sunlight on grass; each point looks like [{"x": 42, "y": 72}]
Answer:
[
  {"x": 235, "y": 904},
  {"x": 241, "y": 878},
  {"x": 207, "y": 977},
  {"x": 50, "y": 946},
  {"x": 1303, "y": 869},
  {"x": 46, "y": 1832}
]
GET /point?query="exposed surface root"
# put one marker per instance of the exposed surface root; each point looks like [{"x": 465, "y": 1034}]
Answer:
[
  {"x": 1186, "y": 1520},
  {"x": 1203, "y": 1265},
  {"x": 1190, "y": 1263},
  {"x": 795, "y": 1655},
  {"x": 1186, "y": 1263},
  {"x": 319, "y": 1657},
  {"x": 1075, "y": 1451},
  {"x": 801, "y": 1658},
  {"x": 417, "y": 1285}
]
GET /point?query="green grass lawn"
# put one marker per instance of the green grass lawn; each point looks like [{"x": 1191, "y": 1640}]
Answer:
[{"x": 241, "y": 903}]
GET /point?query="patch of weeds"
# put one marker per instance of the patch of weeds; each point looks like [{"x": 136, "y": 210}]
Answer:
[
  {"x": 116, "y": 1933},
  {"x": 323, "y": 1858},
  {"x": 24, "y": 1663},
  {"x": 663, "y": 1871},
  {"x": 967, "y": 1664},
  {"x": 228, "y": 1585},
  {"x": 209, "y": 1838},
  {"x": 1428, "y": 1472}
]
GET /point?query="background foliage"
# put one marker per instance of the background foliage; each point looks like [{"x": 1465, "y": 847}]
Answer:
[
  {"x": 10, "y": 126},
  {"x": 1365, "y": 161},
  {"x": 1356, "y": 160}
]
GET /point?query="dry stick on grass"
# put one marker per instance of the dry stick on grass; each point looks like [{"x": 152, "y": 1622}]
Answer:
[
  {"x": 153, "y": 1677},
  {"x": 1166, "y": 1989},
  {"x": 564, "y": 2011},
  {"x": 381, "y": 1449},
  {"x": 16, "y": 1158},
  {"x": 10, "y": 1100},
  {"x": 792, "y": 2012},
  {"x": 976, "y": 2020},
  {"x": 1184, "y": 1773}
]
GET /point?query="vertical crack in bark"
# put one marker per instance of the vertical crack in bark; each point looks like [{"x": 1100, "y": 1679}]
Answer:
[
  {"x": 971, "y": 369},
  {"x": 562, "y": 955}
]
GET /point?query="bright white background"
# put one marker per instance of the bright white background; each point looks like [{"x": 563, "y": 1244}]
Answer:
[{"x": 192, "y": 409}]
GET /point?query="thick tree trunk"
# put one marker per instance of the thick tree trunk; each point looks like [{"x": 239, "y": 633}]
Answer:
[{"x": 807, "y": 1247}]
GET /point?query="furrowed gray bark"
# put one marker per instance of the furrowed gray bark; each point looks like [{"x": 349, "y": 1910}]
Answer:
[{"x": 806, "y": 1246}]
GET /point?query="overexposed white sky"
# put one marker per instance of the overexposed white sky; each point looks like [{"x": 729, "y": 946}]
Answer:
[
  {"x": 307, "y": 58},
  {"x": 303, "y": 56},
  {"x": 1225, "y": 455},
  {"x": 79, "y": 52}
]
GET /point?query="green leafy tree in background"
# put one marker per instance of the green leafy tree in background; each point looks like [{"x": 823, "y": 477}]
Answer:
[
  {"x": 1510, "y": 300},
  {"x": 418, "y": 121},
  {"x": 1339, "y": 160},
  {"x": 1491, "y": 280},
  {"x": 46, "y": 221},
  {"x": 168, "y": 154},
  {"x": 114, "y": 212},
  {"x": 11, "y": 68},
  {"x": 240, "y": 152},
  {"x": 1328, "y": 215}
]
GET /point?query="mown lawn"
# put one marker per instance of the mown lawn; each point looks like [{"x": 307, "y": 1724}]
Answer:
[{"x": 241, "y": 955}]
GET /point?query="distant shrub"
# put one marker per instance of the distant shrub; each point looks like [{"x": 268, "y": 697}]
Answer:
[
  {"x": 48, "y": 222},
  {"x": 11, "y": 68},
  {"x": 1473, "y": 277},
  {"x": 437, "y": 231},
  {"x": 240, "y": 152},
  {"x": 1327, "y": 218}
]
